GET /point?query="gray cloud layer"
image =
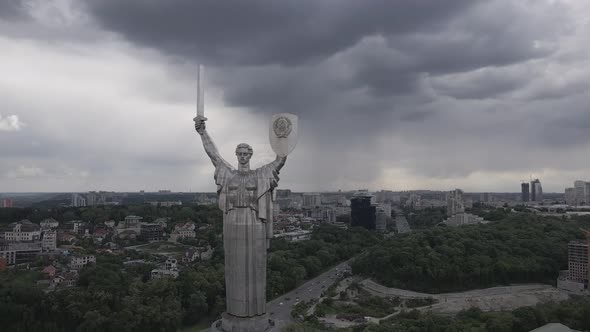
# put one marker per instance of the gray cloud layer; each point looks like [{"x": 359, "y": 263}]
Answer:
[{"x": 438, "y": 90}]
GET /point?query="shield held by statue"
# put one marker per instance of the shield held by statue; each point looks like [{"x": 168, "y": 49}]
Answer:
[{"x": 283, "y": 133}]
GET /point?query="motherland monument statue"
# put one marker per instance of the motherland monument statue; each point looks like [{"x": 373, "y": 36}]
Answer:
[{"x": 246, "y": 199}]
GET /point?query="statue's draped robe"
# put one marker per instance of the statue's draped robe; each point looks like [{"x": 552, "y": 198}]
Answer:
[{"x": 245, "y": 197}]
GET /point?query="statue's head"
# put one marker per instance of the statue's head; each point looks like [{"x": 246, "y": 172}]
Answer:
[{"x": 244, "y": 153}]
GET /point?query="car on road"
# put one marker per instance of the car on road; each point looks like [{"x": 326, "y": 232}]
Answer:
[
  {"x": 281, "y": 303},
  {"x": 287, "y": 299},
  {"x": 297, "y": 299}
]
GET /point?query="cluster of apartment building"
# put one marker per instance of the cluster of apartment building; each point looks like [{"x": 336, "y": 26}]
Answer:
[
  {"x": 312, "y": 207},
  {"x": 456, "y": 215},
  {"x": 94, "y": 198}
]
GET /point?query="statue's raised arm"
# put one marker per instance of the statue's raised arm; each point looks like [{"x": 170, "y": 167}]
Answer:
[
  {"x": 279, "y": 162},
  {"x": 208, "y": 144}
]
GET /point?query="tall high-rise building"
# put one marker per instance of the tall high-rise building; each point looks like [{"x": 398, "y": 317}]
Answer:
[
  {"x": 536, "y": 191},
  {"x": 578, "y": 261},
  {"x": 78, "y": 200},
  {"x": 455, "y": 202},
  {"x": 362, "y": 212},
  {"x": 6, "y": 203},
  {"x": 486, "y": 198},
  {"x": 381, "y": 220},
  {"x": 571, "y": 197},
  {"x": 582, "y": 192},
  {"x": 525, "y": 192},
  {"x": 92, "y": 198}
]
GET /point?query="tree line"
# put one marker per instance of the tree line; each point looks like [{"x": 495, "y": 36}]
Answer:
[
  {"x": 521, "y": 248},
  {"x": 112, "y": 296}
]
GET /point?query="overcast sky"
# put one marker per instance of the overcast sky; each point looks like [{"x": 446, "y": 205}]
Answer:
[{"x": 390, "y": 94}]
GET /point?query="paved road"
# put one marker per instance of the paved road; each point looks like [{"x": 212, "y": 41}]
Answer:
[
  {"x": 280, "y": 308},
  {"x": 381, "y": 290}
]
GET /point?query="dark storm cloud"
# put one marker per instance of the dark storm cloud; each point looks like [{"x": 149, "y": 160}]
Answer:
[
  {"x": 12, "y": 10},
  {"x": 439, "y": 88},
  {"x": 264, "y": 31},
  {"x": 332, "y": 48},
  {"x": 482, "y": 83}
]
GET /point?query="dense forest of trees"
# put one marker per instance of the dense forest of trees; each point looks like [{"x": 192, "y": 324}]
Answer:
[
  {"x": 289, "y": 264},
  {"x": 425, "y": 218},
  {"x": 518, "y": 249},
  {"x": 113, "y": 297},
  {"x": 109, "y": 298},
  {"x": 96, "y": 215}
]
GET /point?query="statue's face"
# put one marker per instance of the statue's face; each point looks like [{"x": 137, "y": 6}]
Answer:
[{"x": 243, "y": 156}]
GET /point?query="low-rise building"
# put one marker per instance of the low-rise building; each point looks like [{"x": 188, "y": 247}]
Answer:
[
  {"x": 170, "y": 270},
  {"x": 65, "y": 280},
  {"x": 130, "y": 228},
  {"x": 99, "y": 235},
  {"x": 183, "y": 231},
  {"x": 110, "y": 223},
  {"x": 295, "y": 236},
  {"x": 151, "y": 232},
  {"x": 78, "y": 262},
  {"x": 19, "y": 252},
  {"x": 75, "y": 226},
  {"x": 461, "y": 219},
  {"x": 22, "y": 231},
  {"x": 197, "y": 253},
  {"x": 66, "y": 237},
  {"x": 49, "y": 224},
  {"x": 50, "y": 271},
  {"x": 162, "y": 222}
]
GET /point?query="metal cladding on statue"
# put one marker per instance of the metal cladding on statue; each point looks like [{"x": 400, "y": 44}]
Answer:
[
  {"x": 283, "y": 133},
  {"x": 246, "y": 199}
]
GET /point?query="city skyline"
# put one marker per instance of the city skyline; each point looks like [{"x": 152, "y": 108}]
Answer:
[{"x": 456, "y": 95}]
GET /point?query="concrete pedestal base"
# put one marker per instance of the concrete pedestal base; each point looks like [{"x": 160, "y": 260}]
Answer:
[{"x": 229, "y": 323}]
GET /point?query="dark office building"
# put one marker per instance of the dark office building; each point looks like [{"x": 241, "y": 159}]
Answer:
[
  {"x": 525, "y": 192},
  {"x": 362, "y": 213}
]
